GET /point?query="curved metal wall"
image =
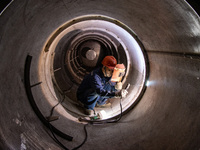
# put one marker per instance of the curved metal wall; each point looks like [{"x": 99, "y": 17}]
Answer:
[{"x": 167, "y": 116}]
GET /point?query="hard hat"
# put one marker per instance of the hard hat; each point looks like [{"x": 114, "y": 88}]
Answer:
[{"x": 109, "y": 61}]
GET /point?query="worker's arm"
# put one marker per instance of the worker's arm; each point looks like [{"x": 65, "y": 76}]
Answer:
[{"x": 97, "y": 85}]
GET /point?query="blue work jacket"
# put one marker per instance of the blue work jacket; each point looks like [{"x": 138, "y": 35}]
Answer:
[{"x": 98, "y": 83}]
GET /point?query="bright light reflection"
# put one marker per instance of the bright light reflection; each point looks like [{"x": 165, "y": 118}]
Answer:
[
  {"x": 150, "y": 83},
  {"x": 102, "y": 114}
]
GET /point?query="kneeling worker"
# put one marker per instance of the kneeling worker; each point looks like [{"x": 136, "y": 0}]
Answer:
[{"x": 97, "y": 87}]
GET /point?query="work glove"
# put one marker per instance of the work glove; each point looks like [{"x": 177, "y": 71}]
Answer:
[
  {"x": 118, "y": 86},
  {"x": 122, "y": 93}
]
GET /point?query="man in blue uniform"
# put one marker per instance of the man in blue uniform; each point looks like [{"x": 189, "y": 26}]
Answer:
[{"x": 97, "y": 87}]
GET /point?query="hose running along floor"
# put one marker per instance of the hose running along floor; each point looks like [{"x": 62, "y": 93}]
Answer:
[{"x": 48, "y": 47}]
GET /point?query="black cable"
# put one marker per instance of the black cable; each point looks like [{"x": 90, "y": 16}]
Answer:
[
  {"x": 50, "y": 126},
  {"x": 32, "y": 101},
  {"x": 55, "y": 138},
  {"x": 39, "y": 114},
  {"x": 55, "y": 106},
  {"x": 86, "y": 135}
]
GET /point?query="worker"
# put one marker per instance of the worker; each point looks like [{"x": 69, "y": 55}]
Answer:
[{"x": 97, "y": 87}]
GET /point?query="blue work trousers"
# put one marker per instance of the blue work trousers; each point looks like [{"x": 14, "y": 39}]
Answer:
[{"x": 89, "y": 98}]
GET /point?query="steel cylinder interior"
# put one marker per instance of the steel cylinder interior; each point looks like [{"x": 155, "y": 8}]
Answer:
[{"x": 80, "y": 48}]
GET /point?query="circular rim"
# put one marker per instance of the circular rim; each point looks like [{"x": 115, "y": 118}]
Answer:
[{"x": 60, "y": 30}]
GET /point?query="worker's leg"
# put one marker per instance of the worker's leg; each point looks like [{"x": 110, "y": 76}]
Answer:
[
  {"x": 91, "y": 100},
  {"x": 102, "y": 101},
  {"x": 88, "y": 98}
]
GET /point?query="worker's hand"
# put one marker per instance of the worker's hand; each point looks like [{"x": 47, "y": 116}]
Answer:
[
  {"x": 118, "y": 86},
  {"x": 123, "y": 93}
]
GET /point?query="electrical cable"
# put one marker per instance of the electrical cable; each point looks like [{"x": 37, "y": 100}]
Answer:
[
  {"x": 50, "y": 126},
  {"x": 62, "y": 145},
  {"x": 86, "y": 135},
  {"x": 56, "y": 105},
  {"x": 54, "y": 136},
  {"x": 33, "y": 103}
]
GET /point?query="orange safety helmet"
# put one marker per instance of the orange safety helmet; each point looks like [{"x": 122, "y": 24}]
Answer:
[{"x": 109, "y": 61}]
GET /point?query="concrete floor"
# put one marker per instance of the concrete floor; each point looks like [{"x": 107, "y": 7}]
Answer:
[{"x": 167, "y": 116}]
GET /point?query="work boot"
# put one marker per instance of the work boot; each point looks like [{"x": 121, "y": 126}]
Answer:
[{"x": 104, "y": 105}]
